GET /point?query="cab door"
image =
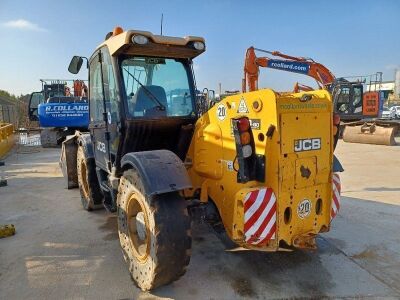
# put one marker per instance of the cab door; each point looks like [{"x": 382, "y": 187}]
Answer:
[
  {"x": 112, "y": 103},
  {"x": 104, "y": 109},
  {"x": 98, "y": 115}
]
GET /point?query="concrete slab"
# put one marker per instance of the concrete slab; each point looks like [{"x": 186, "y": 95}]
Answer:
[{"x": 61, "y": 251}]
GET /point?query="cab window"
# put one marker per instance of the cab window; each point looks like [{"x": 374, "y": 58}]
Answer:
[
  {"x": 157, "y": 86},
  {"x": 110, "y": 87},
  {"x": 96, "y": 92}
]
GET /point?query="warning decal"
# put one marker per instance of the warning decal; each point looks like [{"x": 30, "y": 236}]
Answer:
[{"x": 242, "y": 109}]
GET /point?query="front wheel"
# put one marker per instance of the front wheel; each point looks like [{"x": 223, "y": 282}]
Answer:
[{"x": 154, "y": 233}]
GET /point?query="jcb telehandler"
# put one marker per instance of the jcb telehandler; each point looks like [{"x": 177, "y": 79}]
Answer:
[{"x": 259, "y": 164}]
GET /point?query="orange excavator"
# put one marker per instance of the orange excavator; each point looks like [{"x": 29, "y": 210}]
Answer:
[
  {"x": 349, "y": 102},
  {"x": 301, "y": 65}
]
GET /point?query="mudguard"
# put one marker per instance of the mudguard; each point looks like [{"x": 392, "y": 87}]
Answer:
[
  {"x": 85, "y": 141},
  {"x": 337, "y": 166},
  {"x": 162, "y": 171},
  {"x": 68, "y": 156},
  {"x": 68, "y": 161}
]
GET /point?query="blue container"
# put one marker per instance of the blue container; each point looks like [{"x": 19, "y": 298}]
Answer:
[{"x": 64, "y": 114}]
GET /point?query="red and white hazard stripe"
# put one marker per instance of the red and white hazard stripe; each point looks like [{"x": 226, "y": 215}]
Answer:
[
  {"x": 259, "y": 216},
  {"x": 335, "y": 195}
]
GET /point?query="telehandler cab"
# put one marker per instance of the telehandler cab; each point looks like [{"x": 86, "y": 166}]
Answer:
[{"x": 259, "y": 164}]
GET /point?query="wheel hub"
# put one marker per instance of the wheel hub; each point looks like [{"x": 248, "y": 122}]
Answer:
[
  {"x": 85, "y": 185},
  {"x": 141, "y": 226},
  {"x": 138, "y": 228}
]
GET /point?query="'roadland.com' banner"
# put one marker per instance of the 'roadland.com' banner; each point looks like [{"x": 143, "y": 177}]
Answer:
[{"x": 297, "y": 67}]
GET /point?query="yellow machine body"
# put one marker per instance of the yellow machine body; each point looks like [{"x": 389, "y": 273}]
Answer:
[
  {"x": 6, "y": 138},
  {"x": 7, "y": 230},
  {"x": 294, "y": 176}
]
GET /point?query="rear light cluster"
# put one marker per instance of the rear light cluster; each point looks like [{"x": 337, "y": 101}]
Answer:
[
  {"x": 251, "y": 166},
  {"x": 243, "y": 126}
]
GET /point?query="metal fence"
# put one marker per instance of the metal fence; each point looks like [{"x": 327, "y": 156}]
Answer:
[{"x": 29, "y": 138}]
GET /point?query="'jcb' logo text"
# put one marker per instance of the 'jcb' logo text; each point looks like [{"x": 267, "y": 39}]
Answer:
[
  {"x": 101, "y": 147},
  {"x": 307, "y": 144}
]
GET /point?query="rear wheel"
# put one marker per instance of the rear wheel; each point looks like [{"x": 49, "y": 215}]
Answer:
[
  {"x": 89, "y": 187},
  {"x": 154, "y": 233}
]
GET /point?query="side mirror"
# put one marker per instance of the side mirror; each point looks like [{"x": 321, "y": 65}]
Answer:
[{"x": 75, "y": 64}]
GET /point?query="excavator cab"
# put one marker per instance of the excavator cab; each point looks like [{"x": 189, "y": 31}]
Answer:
[
  {"x": 348, "y": 98},
  {"x": 35, "y": 99}
]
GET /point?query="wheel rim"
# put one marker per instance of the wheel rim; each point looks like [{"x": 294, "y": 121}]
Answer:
[
  {"x": 85, "y": 185},
  {"x": 138, "y": 228}
]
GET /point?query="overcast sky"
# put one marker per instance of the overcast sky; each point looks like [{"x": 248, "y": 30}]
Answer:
[{"x": 38, "y": 38}]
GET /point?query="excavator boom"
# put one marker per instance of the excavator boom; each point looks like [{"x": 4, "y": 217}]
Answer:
[
  {"x": 285, "y": 62},
  {"x": 375, "y": 133}
]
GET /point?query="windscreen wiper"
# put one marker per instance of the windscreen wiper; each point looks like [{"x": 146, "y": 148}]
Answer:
[{"x": 147, "y": 91}]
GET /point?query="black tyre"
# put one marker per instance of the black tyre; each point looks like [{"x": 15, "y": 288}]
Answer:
[
  {"x": 89, "y": 188},
  {"x": 154, "y": 233}
]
